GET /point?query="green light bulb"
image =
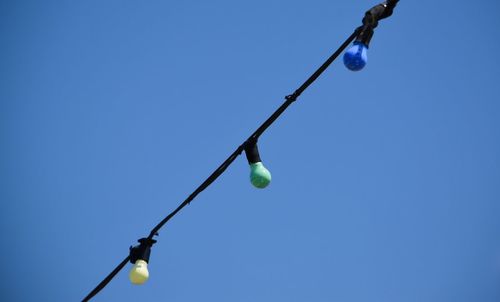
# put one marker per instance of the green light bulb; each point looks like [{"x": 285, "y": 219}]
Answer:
[{"x": 259, "y": 175}]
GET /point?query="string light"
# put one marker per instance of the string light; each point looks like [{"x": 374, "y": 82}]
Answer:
[
  {"x": 139, "y": 256},
  {"x": 260, "y": 177},
  {"x": 355, "y": 59}
]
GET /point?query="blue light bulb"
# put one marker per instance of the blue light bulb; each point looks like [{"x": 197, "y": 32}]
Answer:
[{"x": 355, "y": 58}]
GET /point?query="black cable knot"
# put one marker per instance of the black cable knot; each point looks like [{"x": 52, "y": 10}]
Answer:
[{"x": 292, "y": 97}]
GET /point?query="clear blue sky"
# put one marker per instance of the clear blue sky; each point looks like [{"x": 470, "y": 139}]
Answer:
[{"x": 386, "y": 182}]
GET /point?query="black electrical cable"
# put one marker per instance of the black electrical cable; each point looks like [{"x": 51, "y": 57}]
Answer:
[
  {"x": 390, "y": 4},
  {"x": 289, "y": 100},
  {"x": 106, "y": 280}
]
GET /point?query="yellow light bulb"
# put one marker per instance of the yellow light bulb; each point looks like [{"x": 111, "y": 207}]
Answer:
[{"x": 139, "y": 272}]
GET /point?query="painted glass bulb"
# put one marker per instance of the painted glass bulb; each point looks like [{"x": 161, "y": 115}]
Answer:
[
  {"x": 259, "y": 175},
  {"x": 139, "y": 272},
  {"x": 355, "y": 58}
]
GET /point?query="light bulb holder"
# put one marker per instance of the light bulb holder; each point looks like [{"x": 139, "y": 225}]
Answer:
[
  {"x": 371, "y": 18},
  {"x": 365, "y": 35},
  {"x": 252, "y": 152},
  {"x": 142, "y": 251}
]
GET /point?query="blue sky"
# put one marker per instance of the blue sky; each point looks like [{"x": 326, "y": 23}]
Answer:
[{"x": 386, "y": 182}]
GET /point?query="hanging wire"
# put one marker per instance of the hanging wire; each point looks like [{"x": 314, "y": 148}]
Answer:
[
  {"x": 289, "y": 99},
  {"x": 218, "y": 172},
  {"x": 253, "y": 138}
]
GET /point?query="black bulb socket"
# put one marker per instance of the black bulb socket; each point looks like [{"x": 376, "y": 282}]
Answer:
[
  {"x": 371, "y": 18},
  {"x": 252, "y": 152},
  {"x": 142, "y": 251}
]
